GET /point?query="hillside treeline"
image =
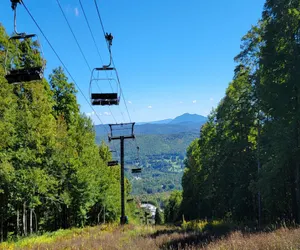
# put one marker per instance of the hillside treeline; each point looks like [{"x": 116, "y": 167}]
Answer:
[
  {"x": 249, "y": 150},
  {"x": 52, "y": 173}
]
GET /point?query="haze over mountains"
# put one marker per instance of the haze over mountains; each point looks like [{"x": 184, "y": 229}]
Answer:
[{"x": 183, "y": 123}]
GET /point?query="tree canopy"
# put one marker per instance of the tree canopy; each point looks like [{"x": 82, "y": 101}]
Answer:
[
  {"x": 248, "y": 151},
  {"x": 52, "y": 173}
]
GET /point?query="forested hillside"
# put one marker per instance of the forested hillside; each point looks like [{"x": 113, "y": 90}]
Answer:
[
  {"x": 52, "y": 173},
  {"x": 246, "y": 162},
  {"x": 160, "y": 156}
]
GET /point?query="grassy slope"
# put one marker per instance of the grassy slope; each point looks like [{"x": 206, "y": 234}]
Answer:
[{"x": 148, "y": 237}]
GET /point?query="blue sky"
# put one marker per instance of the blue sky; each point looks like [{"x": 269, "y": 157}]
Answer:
[{"x": 172, "y": 57}]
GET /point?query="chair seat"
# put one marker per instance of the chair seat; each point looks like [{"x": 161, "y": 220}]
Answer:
[
  {"x": 25, "y": 75},
  {"x": 104, "y": 99},
  {"x": 136, "y": 170},
  {"x": 112, "y": 163}
]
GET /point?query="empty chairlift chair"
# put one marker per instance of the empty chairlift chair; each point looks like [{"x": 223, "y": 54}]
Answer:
[
  {"x": 104, "y": 89},
  {"x": 23, "y": 64},
  {"x": 24, "y": 57},
  {"x": 112, "y": 163},
  {"x": 136, "y": 170}
]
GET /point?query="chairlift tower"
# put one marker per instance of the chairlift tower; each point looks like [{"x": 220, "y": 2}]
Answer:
[{"x": 122, "y": 132}]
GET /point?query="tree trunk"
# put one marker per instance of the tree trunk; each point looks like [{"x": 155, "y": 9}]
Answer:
[
  {"x": 104, "y": 215},
  {"x": 1, "y": 229},
  {"x": 30, "y": 221},
  {"x": 24, "y": 220},
  {"x": 18, "y": 222},
  {"x": 35, "y": 218},
  {"x": 297, "y": 170},
  {"x": 99, "y": 215},
  {"x": 297, "y": 187}
]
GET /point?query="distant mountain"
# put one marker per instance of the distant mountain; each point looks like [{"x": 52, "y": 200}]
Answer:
[
  {"x": 184, "y": 123},
  {"x": 189, "y": 118},
  {"x": 162, "y": 146},
  {"x": 166, "y": 121}
]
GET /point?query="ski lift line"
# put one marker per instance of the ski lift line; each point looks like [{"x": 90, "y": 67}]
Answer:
[
  {"x": 76, "y": 40},
  {"x": 123, "y": 116},
  {"x": 100, "y": 19},
  {"x": 103, "y": 29},
  {"x": 63, "y": 13},
  {"x": 91, "y": 32},
  {"x": 95, "y": 43},
  {"x": 121, "y": 90},
  {"x": 137, "y": 151},
  {"x": 63, "y": 64},
  {"x": 112, "y": 114},
  {"x": 93, "y": 37},
  {"x": 118, "y": 79}
]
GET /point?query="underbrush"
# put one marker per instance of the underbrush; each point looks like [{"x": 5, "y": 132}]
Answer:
[
  {"x": 283, "y": 238},
  {"x": 217, "y": 227},
  {"x": 35, "y": 241}
]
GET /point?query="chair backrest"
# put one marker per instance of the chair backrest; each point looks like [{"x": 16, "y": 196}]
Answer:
[{"x": 104, "y": 96}]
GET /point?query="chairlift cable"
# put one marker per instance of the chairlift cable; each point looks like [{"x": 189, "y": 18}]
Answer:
[
  {"x": 100, "y": 19},
  {"x": 83, "y": 55},
  {"x": 93, "y": 37},
  {"x": 94, "y": 40},
  {"x": 63, "y": 64},
  {"x": 91, "y": 32},
  {"x": 63, "y": 13},
  {"x": 103, "y": 29},
  {"x": 118, "y": 79}
]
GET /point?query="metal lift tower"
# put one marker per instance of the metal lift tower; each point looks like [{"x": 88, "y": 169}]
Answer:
[{"x": 121, "y": 132}]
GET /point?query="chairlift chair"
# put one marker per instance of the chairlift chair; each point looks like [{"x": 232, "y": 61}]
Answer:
[
  {"x": 109, "y": 96},
  {"x": 19, "y": 67},
  {"x": 136, "y": 170},
  {"x": 112, "y": 163}
]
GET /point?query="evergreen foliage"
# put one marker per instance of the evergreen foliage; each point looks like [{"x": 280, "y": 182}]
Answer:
[
  {"x": 52, "y": 173},
  {"x": 250, "y": 145}
]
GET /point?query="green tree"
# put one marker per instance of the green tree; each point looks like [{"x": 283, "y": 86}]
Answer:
[
  {"x": 172, "y": 210},
  {"x": 278, "y": 93},
  {"x": 158, "y": 217}
]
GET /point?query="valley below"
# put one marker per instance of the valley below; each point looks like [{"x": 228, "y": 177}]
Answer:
[{"x": 162, "y": 149}]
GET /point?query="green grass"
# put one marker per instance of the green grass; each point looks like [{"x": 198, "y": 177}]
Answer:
[
  {"x": 195, "y": 236},
  {"x": 53, "y": 237}
]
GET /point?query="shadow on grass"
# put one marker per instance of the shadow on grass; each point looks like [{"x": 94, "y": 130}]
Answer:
[
  {"x": 166, "y": 232},
  {"x": 197, "y": 240},
  {"x": 179, "y": 238},
  {"x": 187, "y": 239}
]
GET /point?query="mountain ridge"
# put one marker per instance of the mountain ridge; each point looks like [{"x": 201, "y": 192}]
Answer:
[
  {"x": 183, "y": 123},
  {"x": 162, "y": 151},
  {"x": 186, "y": 117}
]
